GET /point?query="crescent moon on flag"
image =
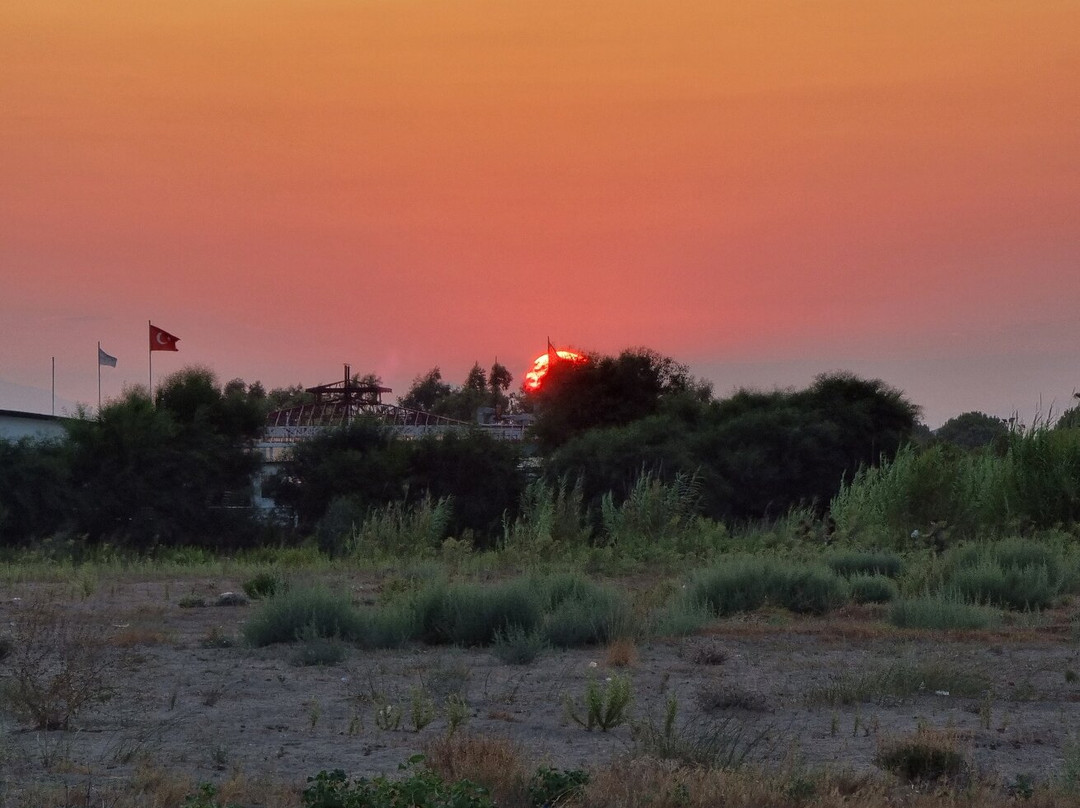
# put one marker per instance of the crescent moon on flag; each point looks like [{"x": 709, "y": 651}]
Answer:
[{"x": 159, "y": 339}]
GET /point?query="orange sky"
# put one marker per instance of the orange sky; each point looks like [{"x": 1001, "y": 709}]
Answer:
[{"x": 764, "y": 190}]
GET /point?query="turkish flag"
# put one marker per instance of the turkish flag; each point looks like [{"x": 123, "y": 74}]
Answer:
[{"x": 162, "y": 340}]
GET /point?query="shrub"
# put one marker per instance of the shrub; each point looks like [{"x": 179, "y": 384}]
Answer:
[
  {"x": 852, "y": 563},
  {"x": 390, "y": 626},
  {"x": 403, "y": 530},
  {"x": 902, "y": 680},
  {"x": 1014, "y": 587},
  {"x": 57, "y": 668},
  {"x": 263, "y": 585},
  {"x": 552, "y": 787},
  {"x": 746, "y": 584},
  {"x": 681, "y": 617},
  {"x": 493, "y": 762},
  {"x": 606, "y": 705},
  {"x": 704, "y": 744},
  {"x": 420, "y": 789},
  {"x": 312, "y": 612},
  {"x": 595, "y": 617},
  {"x": 315, "y": 650},
  {"x": 473, "y": 614},
  {"x": 873, "y": 589},
  {"x": 516, "y": 646},
  {"x": 926, "y": 756},
  {"x": 942, "y": 612}
]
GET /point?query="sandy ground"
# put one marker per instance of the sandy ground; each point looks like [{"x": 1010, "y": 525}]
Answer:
[{"x": 210, "y": 713}]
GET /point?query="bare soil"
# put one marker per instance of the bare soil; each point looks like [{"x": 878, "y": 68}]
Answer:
[{"x": 207, "y": 713}]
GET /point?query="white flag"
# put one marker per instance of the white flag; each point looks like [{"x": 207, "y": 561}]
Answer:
[{"x": 104, "y": 359}]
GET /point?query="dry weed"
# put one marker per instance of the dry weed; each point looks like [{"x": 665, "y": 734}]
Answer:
[
  {"x": 495, "y": 763},
  {"x": 622, "y": 653},
  {"x": 58, "y": 666}
]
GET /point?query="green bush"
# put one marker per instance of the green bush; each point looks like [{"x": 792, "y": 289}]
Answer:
[
  {"x": 516, "y": 646},
  {"x": 473, "y": 614},
  {"x": 551, "y": 787},
  {"x": 263, "y": 585},
  {"x": 312, "y": 611},
  {"x": 680, "y": 617},
  {"x": 926, "y": 756},
  {"x": 606, "y": 705},
  {"x": 746, "y": 584},
  {"x": 419, "y": 789},
  {"x": 942, "y": 612},
  {"x": 851, "y": 563},
  {"x": 314, "y": 650},
  {"x": 589, "y": 615},
  {"x": 1018, "y": 588},
  {"x": 390, "y": 626},
  {"x": 873, "y": 589}
]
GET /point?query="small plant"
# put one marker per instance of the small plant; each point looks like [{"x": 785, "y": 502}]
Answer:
[
  {"x": 942, "y": 613},
  {"x": 549, "y": 788},
  {"x": 205, "y": 797},
  {"x": 927, "y": 756},
  {"x": 421, "y": 708},
  {"x": 622, "y": 653},
  {"x": 314, "y": 708},
  {"x": 420, "y": 789},
  {"x": 216, "y": 638},
  {"x": 387, "y": 716},
  {"x": 853, "y": 563},
  {"x": 303, "y": 613},
  {"x": 516, "y": 646},
  {"x": 192, "y": 602},
  {"x": 873, "y": 589},
  {"x": 725, "y": 743},
  {"x": 263, "y": 585},
  {"x": 457, "y": 712},
  {"x": 606, "y": 705},
  {"x": 315, "y": 650},
  {"x": 57, "y": 667}
]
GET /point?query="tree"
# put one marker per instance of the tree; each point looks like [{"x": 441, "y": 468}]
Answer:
[
  {"x": 607, "y": 391},
  {"x": 426, "y": 391},
  {"x": 972, "y": 430},
  {"x": 145, "y": 475}
]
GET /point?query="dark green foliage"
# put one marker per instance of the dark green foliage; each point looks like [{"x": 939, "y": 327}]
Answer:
[
  {"x": 923, "y": 757},
  {"x": 516, "y": 646},
  {"x": 973, "y": 430},
  {"x": 857, "y": 562},
  {"x": 581, "y": 612},
  {"x": 337, "y": 478},
  {"x": 474, "y": 614},
  {"x": 263, "y": 585},
  {"x": 745, "y": 584},
  {"x": 873, "y": 589},
  {"x": 419, "y": 788},
  {"x": 941, "y": 612},
  {"x": 36, "y": 499},
  {"x": 607, "y": 391},
  {"x": 549, "y": 787},
  {"x": 206, "y": 797},
  {"x": 1014, "y": 574},
  {"x": 303, "y": 612},
  {"x": 315, "y": 650},
  {"x": 388, "y": 627},
  {"x": 755, "y": 454}
]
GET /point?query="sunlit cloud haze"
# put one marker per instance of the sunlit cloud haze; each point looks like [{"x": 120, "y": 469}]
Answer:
[{"x": 763, "y": 190}]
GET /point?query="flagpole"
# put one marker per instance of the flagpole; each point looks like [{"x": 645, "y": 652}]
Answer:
[
  {"x": 150, "y": 358},
  {"x": 99, "y": 378},
  {"x": 54, "y": 385}
]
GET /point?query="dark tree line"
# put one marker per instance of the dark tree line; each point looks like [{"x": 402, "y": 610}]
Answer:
[{"x": 167, "y": 470}]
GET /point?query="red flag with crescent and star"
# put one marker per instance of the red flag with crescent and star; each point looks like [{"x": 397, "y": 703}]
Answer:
[{"x": 162, "y": 340}]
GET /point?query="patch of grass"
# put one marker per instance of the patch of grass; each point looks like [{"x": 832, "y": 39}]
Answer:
[
  {"x": 857, "y": 562},
  {"x": 680, "y": 617},
  {"x": 57, "y": 667},
  {"x": 418, "y": 787},
  {"x": 551, "y": 787},
  {"x": 493, "y": 762},
  {"x": 702, "y": 743},
  {"x": 902, "y": 680},
  {"x": 606, "y": 704},
  {"x": 264, "y": 585},
  {"x": 942, "y": 612},
  {"x": 313, "y": 612},
  {"x": 622, "y": 653},
  {"x": 1011, "y": 587},
  {"x": 720, "y": 696},
  {"x": 473, "y": 614},
  {"x": 314, "y": 650},
  {"x": 745, "y": 584},
  {"x": 873, "y": 589},
  {"x": 926, "y": 756},
  {"x": 516, "y": 646}
]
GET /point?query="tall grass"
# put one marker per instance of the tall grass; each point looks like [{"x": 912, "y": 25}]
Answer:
[
  {"x": 745, "y": 584},
  {"x": 552, "y": 517},
  {"x": 402, "y": 530},
  {"x": 1034, "y": 483},
  {"x": 655, "y": 516}
]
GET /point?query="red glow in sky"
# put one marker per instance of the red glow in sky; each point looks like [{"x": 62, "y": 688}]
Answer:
[
  {"x": 763, "y": 190},
  {"x": 534, "y": 379}
]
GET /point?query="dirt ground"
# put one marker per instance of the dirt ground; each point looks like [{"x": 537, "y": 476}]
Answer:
[{"x": 208, "y": 713}]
